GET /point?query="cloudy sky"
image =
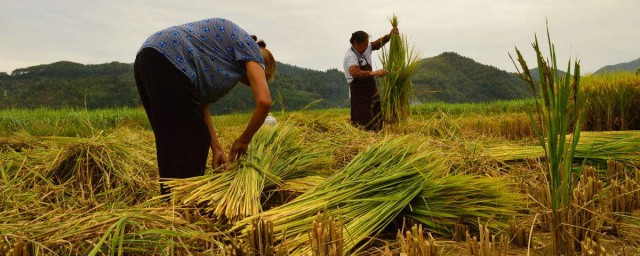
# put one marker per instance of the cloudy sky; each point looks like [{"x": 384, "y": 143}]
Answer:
[{"x": 315, "y": 34}]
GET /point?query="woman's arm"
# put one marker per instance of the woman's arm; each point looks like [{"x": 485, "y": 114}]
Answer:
[
  {"x": 377, "y": 44},
  {"x": 217, "y": 158},
  {"x": 258, "y": 82}
]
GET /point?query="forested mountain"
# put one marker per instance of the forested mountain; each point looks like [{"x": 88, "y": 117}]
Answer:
[
  {"x": 632, "y": 66},
  {"x": 68, "y": 84},
  {"x": 448, "y": 77}
]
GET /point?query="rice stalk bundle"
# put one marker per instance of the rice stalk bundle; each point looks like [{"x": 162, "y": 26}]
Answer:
[
  {"x": 368, "y": 194},
  {"x": 458, "y": 199},
  {"x": 276, "y": 154},
  {"x": 103, "y": 168},
  {"x": 137, "y": 230},
  {"x": 203, "y": 192},
  {"x": 396, "y": 87},
  {"x": 597, "y": 147}
]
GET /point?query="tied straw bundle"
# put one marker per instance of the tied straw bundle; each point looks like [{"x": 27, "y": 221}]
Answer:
[
  {"x": 396, "y": 87},
  {"x": 275, "y": 155}
]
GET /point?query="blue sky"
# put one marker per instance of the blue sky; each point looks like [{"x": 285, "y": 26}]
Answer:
[{"x": 315, "y": 34}]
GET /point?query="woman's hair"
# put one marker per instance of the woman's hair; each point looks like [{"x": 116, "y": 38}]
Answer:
[
  {"x": 269, "y": 61},
  {"x": 358, "y": 37}
]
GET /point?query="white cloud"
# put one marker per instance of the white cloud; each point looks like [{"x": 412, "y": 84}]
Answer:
[{"x": 315, "y": 34}]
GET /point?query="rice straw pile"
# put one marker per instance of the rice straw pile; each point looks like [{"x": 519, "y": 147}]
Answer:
[{"x": 97, "y": 231}]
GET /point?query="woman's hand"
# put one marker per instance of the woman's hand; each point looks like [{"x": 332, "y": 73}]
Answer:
[
  {"x": 379, "y": 73},
  {"x": 238, "y": 149},
  {"x": 394, "y": 31},
  {"x": 218, "y": 159},
  {"x": 258, "y": 82}
]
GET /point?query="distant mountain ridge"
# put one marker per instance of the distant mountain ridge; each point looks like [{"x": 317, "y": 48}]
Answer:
[
  {"x": 632, "y": 66},
  {"x": 453, "y": 78},
  {"x": 74, "y": 85},
  {"x": 448, "y": 77}
]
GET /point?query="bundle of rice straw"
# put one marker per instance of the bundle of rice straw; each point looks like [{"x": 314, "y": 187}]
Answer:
[
  {"x": 367, "y": 194},
  {"x": 275, "y": 155},
  {"x": 396, "y": 87},
  {"x": 457, "y": 198}
]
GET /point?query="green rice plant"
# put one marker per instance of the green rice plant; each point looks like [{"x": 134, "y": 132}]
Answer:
[
  {"x": 479, "y": 108},
  {"x": 70, "y": 122},
  {"x": 276, "y": 154},
  {"x": 396, "y": 88},
  {"x": 510, "y": 126},
  {"x": 368, "y": 194},
  {"x": 555, "y": 114},
  {"x": 611, "y": 101}
]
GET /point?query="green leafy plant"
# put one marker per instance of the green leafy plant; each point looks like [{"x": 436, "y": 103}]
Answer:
[{"x": 555, "y": 115}]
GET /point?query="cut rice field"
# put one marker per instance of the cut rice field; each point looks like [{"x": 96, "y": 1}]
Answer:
[{"x": 452, "y": 180}]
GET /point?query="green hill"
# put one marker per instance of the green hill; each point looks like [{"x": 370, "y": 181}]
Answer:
[
  {"x": 452, "y": 78},
  {"x": 74, "y": 85},
  {"x": 632, "y": 66},
  {"x": 67, "y": 84}
]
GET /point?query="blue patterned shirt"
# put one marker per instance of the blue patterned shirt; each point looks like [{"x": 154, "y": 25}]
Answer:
[{"x": 210, "y": 52}]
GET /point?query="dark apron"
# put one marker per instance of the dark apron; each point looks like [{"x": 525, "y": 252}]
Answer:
[{"x": 365, "y": 101}]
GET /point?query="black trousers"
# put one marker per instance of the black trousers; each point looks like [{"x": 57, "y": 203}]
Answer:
[{"x": 175, "y": 113}]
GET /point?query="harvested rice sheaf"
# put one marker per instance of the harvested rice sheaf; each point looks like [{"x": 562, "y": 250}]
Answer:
[
  {"x": 275, "y": 155},
  {"x": 396, "y": 87},
  {"x": 388, "y": 179}
]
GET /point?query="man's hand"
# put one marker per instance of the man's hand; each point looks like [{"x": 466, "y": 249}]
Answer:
[
  {"x": 238, "y": 149},
  {"x": 394, "y": 31}
]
